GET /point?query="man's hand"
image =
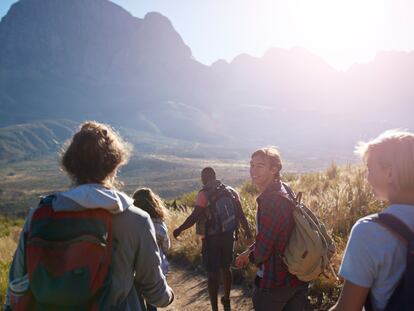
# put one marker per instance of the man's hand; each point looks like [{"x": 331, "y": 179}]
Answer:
[
  {"x": 176, "y": 233},
  {"x": 250, "y": 240},
  {"x": 243, "y": 259}
]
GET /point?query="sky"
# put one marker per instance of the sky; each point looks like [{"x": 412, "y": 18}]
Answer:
[{"x": 342, "y": 32}]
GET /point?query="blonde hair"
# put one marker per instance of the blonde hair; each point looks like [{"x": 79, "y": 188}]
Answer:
[
  {"x": 149, "y": 201},
  {"x": 273, "y": 155},
  {"x": 393, "y": 149},
  {"x": 94, "y": 154}
]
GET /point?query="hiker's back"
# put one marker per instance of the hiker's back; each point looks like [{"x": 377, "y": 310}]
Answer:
[
  {"x": 378, "y": 257},
  {"x": 134, "y": 263},
  {"x": 59, "y": 274},
  {"x": 221, "y": 213}
]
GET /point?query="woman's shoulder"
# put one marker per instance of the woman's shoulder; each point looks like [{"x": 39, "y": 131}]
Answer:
[
  {"x": 370, "y": 233},
  {"x": 366, "y": 226}
]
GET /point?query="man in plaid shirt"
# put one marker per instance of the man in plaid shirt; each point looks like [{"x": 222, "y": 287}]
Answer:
[{"x": 276, "y": 288}]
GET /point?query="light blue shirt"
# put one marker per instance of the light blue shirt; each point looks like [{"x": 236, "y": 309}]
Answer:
[{"x": 374, "y": 257}]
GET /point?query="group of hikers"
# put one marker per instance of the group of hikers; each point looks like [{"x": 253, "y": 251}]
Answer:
[{"x": 93, "y": 247}]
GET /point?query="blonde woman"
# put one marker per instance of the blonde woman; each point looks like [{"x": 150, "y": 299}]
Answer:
[{"x": 375, "y": 257}]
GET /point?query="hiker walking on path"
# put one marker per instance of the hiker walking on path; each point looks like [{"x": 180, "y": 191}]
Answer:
[
  {"x": 88, "y": 247},
  {"x": 218, "y": 207},
  {"x": 148, "y": 201},
  {"x": 378, "y": 263},
  {"x": 275, "y": 288}
]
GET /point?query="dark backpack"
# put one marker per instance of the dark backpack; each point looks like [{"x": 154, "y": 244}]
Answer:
[
  {"x": 222, "y": 210},
  {"x": 402, "y": 299},
  {"x": 68, "y": 255}
]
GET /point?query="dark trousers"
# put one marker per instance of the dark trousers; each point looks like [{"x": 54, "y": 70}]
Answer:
[
  {"x": 280, "y": 299},
  {"x": 151, "y": 307}
]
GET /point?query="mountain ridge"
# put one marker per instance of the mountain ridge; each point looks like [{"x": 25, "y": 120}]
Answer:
[{"x": 138, "y": 73}]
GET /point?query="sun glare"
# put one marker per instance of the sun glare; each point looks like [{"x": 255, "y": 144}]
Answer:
[{"x": 339, "y": 30}]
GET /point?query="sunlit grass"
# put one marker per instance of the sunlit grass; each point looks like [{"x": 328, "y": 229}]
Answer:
[{"x": 9, "y": 235}]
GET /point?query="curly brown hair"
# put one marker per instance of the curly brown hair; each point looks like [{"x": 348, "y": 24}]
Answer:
[
  {"x": 94, "y": 154},
  {"x": 148, "y": 201}
]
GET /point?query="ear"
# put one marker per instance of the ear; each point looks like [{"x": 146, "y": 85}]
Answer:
[
  {"x": 389, "y": 175},
  {"x": 274, "y": 170}
]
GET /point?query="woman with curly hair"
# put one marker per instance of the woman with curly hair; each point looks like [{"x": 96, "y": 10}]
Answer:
[{"x": 92, "y": 159}]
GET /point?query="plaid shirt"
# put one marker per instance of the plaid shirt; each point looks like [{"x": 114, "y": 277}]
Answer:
[{"x": 275, "y": 223}]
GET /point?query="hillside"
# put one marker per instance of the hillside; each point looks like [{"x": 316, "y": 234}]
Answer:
[{"x": 22, "y": 141}]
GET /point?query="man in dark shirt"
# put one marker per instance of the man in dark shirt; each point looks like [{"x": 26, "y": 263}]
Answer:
[
  {"x": 217, "y": 247},
  {"x": 276, "y": 289}
]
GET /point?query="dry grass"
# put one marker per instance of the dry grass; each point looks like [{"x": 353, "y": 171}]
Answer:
[{"x": 9, "y": 235}]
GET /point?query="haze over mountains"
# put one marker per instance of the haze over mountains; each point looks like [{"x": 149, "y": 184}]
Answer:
[{"x": 78, "y": 60}]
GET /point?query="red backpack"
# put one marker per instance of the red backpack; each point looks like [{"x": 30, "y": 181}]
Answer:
[{"x": 68, "y": 256}]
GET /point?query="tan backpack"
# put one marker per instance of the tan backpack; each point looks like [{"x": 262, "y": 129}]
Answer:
[{"x": 310, "y": 248}]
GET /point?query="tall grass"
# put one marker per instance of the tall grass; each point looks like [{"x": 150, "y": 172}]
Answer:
[{"x": 9, "y": 235}]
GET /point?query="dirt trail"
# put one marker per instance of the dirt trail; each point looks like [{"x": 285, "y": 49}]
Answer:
[{"x": 190, "y": 288}]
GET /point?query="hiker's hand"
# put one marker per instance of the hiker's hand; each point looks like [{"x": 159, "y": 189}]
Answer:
[
  {"x": 249, "y": 240},
  {"x": 242, "y": 260},
  {"x": 176, "y": 233}
]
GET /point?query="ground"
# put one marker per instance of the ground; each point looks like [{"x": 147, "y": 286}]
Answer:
[{"x": 190, "y": 289}]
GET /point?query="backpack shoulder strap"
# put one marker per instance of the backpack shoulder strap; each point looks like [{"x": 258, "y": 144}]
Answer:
[
  {"x": 405, "y": 287},
  {"x": 395, "y": 225},
  {"x": 296, "y": 198}
]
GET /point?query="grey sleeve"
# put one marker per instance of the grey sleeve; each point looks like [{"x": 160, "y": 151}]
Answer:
[
  {"x": 149, "y": 278},
  {"x": 165, "y": 239}
]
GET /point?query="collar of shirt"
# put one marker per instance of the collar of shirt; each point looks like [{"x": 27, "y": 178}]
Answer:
[
  {"x": 273, "y": 188},
  {"x": 212, "y": 184}
]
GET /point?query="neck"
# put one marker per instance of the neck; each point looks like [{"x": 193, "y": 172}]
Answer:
[
  {"x": 264, "y": 187},
  {"x": 402, "y": 197}
]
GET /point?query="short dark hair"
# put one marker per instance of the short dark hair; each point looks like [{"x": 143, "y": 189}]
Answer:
[
  {"x": 208, "y": 174},
  {"x": 94, "y": 154}
]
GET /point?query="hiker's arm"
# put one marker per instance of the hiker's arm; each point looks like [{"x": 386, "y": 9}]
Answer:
[
  {"x": 274, "y": 230},
  {"x": 190, "y": 221},
  {"x": 352, "y": 298},
  {"x": 243, "y": 259},
  {"x": 149, "y": 278},
  {"x": 243, "y": 221}
]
